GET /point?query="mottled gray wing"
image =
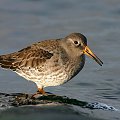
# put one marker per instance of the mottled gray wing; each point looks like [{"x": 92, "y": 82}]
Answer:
[{"x": 27, "y": 57}]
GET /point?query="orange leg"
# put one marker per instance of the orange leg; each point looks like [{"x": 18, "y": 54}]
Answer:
[{"x": 41, "y": 91}]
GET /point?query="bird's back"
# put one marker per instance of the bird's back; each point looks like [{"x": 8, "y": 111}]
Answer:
[{"x": 38, "y": 52}]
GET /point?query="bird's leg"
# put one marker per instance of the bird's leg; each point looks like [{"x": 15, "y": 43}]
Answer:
[{"x": 41, "y": 91}]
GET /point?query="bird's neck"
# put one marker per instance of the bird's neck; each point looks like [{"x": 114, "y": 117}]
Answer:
[{"x": 74, "y": 66}]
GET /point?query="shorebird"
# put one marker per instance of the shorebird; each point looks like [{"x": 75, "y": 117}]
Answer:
[{"x": 50, "y": 62}]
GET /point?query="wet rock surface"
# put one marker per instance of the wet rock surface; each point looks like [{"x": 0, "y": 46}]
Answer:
[{"x": 21, "y": 99}]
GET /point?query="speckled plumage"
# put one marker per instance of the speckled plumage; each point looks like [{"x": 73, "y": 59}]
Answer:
[{"x": 49, "y": 62}]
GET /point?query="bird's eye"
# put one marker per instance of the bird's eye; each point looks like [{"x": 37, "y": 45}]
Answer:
[{"x": 76, "y": 43}]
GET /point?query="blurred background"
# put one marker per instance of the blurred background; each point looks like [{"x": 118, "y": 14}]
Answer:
[{"x": 23, "y": 22}]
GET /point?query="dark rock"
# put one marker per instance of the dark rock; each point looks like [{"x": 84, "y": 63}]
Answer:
[{"x": 20, "y": 99}]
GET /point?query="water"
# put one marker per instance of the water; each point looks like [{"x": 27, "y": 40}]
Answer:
[{"x": 23, "y": 22}]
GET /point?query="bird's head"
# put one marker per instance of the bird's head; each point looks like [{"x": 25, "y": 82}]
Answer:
[{"x": 78, "y": 44}]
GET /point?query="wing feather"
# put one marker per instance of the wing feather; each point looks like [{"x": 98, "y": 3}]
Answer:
[{"x": 30, "y": 56}]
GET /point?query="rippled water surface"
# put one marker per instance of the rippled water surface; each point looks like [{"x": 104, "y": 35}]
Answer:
[{"x": 23, "y": 22}]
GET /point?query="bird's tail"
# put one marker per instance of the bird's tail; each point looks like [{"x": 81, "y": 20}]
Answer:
[{"x": 6, "y": 61}]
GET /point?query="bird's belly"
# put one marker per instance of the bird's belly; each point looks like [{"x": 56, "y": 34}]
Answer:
[
  {"x": 47, "y": 77},
  {"x": 51, "y": 73}
]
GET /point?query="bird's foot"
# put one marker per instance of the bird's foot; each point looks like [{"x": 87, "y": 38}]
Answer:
[{"x": 41, "y": 92}]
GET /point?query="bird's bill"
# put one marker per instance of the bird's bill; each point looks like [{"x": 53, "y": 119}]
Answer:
[{"x": 88, "y": 52}]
